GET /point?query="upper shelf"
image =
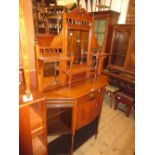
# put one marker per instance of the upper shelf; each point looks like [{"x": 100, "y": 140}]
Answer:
[
  {"x": 78, "y": 68},
  {"x": 53, "y": 59}
]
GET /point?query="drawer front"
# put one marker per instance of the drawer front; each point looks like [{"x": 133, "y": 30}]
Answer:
[{"x": 86, "y": 109}]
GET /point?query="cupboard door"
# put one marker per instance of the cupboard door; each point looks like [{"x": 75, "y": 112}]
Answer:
[
  {"x": 86, "y": 109},
  {"x": 120, "y": 44},
  {"x": 100, "y": 30},
  {"x": 130, "y": 63}
]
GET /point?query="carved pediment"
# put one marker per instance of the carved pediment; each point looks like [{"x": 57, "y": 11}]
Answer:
[{"x": 79, "y": 14}]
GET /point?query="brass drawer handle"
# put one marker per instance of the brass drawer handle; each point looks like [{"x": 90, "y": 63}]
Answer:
[{"x": 91, "y": 96}]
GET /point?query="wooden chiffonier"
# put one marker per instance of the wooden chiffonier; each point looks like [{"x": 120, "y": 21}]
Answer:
[
  {"x": 67, "y": 76},
  {"x": 32, "y": 125},
  {"x": 84, "y": 99},
  {"x": 121, "y": 67}
]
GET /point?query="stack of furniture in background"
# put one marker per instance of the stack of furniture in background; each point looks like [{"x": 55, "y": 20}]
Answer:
[
  {"x": 47, "y": 16},
  {"x": 121, "y": 67}
]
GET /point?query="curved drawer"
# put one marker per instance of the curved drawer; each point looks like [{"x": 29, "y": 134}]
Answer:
[{"x": 87, "y": 109}]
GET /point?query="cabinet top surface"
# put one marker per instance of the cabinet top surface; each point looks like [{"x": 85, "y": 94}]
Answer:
[
  {"x": 78, "y": 89},
  {"x": 37, "y": 96}
]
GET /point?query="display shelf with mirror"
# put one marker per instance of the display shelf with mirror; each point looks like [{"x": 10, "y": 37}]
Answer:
[
  {"x": 60, "y": 62},
  {"x": 78, "y": 45}
]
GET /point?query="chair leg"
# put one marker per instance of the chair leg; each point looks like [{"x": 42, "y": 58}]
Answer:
[
  {"x": 116, "y": 104},
  {"x": 111, "y": 100},
  {"x": 129, "y": 110}
]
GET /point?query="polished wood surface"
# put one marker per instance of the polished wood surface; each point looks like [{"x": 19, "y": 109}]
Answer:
[
  {"x": 78, "y": 89},
  {"x": 84, "y": 98}
]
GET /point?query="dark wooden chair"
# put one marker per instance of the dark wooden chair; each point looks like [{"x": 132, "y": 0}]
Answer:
[{"x": 121, "y": 97}]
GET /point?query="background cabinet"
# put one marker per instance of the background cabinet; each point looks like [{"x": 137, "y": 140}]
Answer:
[
  {"x": 47, "y": 16},
  {"x": 102, "y": 21},
  {"x": 39, "y": 18},
  {"x": 130, "y": 19},
  {"x": 122, "y": 53},
  {"x": 121, "y": 67}
]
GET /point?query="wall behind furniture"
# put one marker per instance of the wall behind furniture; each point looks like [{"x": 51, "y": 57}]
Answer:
[
  {"x": 117, "y": 5},
  {"x": 30, "y": 39}
]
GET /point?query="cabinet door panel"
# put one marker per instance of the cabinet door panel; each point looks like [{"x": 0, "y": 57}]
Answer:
[
  {"x": 100, "y": 30},
  {"x": 120, "y": 46},
  {"x": 102, "y": 26},
  {"x": 130, "y": 64},
  {"x": 86, "y": 109}
]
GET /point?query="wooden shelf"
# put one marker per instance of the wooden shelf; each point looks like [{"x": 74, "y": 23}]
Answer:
[
  {"x": 37, "y": 131},
  {"x": 35, "y": 119},
  {"x": 117, "y": 54},
  {"x": 41, "y": 27},
  {"x": 53, "y": 112},
  {"x": 41, "y": 21},
  {"x": 78, "y": 68},
  {"x": 54, "y": 17},
  {"x": 51, "y": 138},
  {"x": 58, "y": 128},
  {"x": 53, "y": 59},
  {"x": 38, "y": 146}
]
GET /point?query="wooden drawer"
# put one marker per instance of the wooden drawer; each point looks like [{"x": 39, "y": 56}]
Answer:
[{"x": 87, "y": 108}]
